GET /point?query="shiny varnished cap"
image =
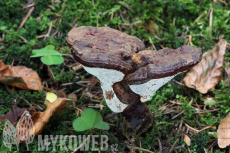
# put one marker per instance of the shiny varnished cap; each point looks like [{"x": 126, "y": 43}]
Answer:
[
  {"x": 164, "y": 63},
  {"x": 104, "y": 47}
]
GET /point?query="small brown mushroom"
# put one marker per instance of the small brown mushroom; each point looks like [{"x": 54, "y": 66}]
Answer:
[{"x": 129, "y": 74}]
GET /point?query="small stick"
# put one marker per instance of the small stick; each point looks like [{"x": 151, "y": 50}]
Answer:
[
  {"x": 140, "y": 149},
  {"x": 223, "y": 2},
  {"x": 74, "y": 21},
  {"x": 177, "y": 82},
  {"x": 208, "y": 111},
  {"x": 197, "y": 122},
  {"x": 25, "y": 19},
  {"x": 178, "y": 103},
  {"x": 30, "y": 5},
  {"x": 160, "y": 146},
  {"x": 191, "y": 128},
  {"x": 177, "y": 115},
  {"x": 48, "y": 34},
  {"x": 173, "y": 146},
  {"x": 150, "y": 40},
  {"x": 210, "y": 19},
  {"x": 180, "y": 126},
  {"x": 63, "y": 10},
  {"x": 23, "y": 39},
  {"x": 75, "y": 26},
  {"x": 92, "y": 81},
  {"x": 199, "y": 17},
  {"x": 52, "y": 77},
  {"x": 26, "y": 101},
  {"x": 97, "y": 93}
]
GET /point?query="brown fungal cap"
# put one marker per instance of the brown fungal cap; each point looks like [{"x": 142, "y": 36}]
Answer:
[
  {"x": 104, "y": 47},
  {"x": 164, "y": 63}
]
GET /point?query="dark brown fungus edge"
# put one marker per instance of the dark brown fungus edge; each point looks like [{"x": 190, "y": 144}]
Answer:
[{"x": 111, "y": 49}]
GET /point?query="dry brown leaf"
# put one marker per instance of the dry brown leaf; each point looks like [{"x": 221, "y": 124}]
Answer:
[
  {"x": 206, "y": 75},
  {"x": 224, "y": 132},
  {"x": 20, "y": 77},
  {"x": 187, "y": 140},
  {"x": 40, "y": 119},
  {"x": 13, "y": 115}
]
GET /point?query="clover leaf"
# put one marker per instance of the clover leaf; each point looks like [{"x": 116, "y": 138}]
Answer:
[
  {"x": 89, "y": 119},
  {"x": 49, "y": 55}
]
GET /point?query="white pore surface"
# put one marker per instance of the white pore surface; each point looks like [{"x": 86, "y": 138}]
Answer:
[
  {"x": 146, "y": 90},
  {"x": 108, "y": 77}
]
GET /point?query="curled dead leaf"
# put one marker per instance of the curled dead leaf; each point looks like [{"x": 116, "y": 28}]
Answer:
[
  {"x": 224, "y": 132},
  {"x": 206, "y": 75},
  {"x": 40, "y": 119},
  {"x": 19, "y": 76}
]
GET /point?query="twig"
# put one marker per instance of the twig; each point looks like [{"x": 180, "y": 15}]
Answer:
[
  {"x": 196, "y": 35},
  {"x": 74, "y": 21},
  {"x": 63, "y": 10},
  {"x": 160, "y": 145},
  {"x": 208, "y": 111},
  {"x": 52, "y": 77},
  {"x": 27, "y": 6},
  {"x": 199, "y": 17},
  {"x": 97, "y": 93},
  {"x": 122, "y": 17},
  {"x": 125, "y": 6},
  {"x": 178, "y": 103},
  {"x": 210, "y": 19},
  {"x": 178, "y": 147},
  {"x": 177, "y": 115},
  {"x": 223, "y": 2},
  {"x": 150, "y": 40},
  {"x": 158, "y": 38},
  {"x": 92, "y": 81},
  {"x": 48, "y": 33},
  {"x": 198, "y": 131},
  {"x": 26, "y": 101},
  {"x": 191, "y": 128},
  {"x": 173, "y": 146},
  {"x": 132, "y": 147},
  {"x": 177, "y": 82},
  {"x": 25, "y": 19},
  {"x": 54, "y": 33},
  {"x": 197, "y": 122},
  {"x": 23, "y": 39}
]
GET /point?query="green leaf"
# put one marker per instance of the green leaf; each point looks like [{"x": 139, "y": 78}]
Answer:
[
  {"x": 99, "y": 123},
  {"x": 89, "y": 119},
  {"x": 50, "y": 47},
  {"x": 48, "y": 50},
  {"x": 52, "y": 60},
  {"x": 2, "y": 28},
  {"x": 86, "y": 120}
]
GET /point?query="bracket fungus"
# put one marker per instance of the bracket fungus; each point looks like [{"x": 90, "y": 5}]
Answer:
[{"x": 128, "y": 73}]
